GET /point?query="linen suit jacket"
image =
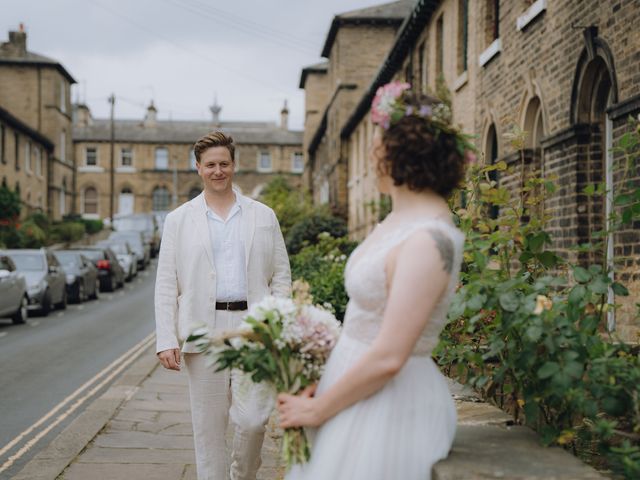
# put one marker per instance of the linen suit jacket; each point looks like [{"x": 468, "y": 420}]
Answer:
[{"x": 185, "y": 290}]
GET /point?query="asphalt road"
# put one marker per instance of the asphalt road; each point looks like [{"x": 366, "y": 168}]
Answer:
[{"x": 43, "y": 362}]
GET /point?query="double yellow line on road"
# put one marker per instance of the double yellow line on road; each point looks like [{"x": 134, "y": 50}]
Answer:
[{"x": 35, "y": 432}]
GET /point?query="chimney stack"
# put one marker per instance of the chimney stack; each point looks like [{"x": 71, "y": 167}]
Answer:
[
  {"x": 284, "y": 117},
  {"x": 82, "y": 115},
  {"x": 150, "y": 119},
  {"x": 17, "y": 44}
]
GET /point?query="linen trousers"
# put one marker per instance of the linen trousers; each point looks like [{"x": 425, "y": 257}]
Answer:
[{"x": 217, "y": 396}]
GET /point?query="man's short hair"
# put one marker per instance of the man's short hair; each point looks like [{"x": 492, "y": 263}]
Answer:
[{"x": 214, "y": 139}]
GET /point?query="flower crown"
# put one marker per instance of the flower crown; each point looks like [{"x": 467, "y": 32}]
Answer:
[{"x": 390, "y": 105}]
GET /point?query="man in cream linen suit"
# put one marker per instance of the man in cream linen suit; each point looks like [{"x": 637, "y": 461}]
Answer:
[{"x": 220, "y": 253}]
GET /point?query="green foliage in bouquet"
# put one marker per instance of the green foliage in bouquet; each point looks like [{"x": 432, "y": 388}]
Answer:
[
  {"x": 528, "y": 329},
  {"x": 280, "y": 342}
]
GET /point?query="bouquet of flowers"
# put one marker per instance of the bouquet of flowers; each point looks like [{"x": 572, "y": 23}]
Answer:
[{"x": 280, "y": 341}]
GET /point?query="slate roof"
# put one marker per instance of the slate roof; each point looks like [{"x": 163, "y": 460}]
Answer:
[
  {"x": 392, "y": 13},
  {"x": 321, "y": 67},
  {"x": 30, "y": 58},
  {"x": 179, "y": 131}
]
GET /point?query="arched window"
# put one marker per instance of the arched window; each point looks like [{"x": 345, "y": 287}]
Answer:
[
  {"x": 161, "y": 199},
  {"x": 90, "y": 201},
  {"x": 491, "y": 153},
  {"x": 126, "y": 201}
]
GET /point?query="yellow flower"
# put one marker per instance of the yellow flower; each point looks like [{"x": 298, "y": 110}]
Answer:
[
  {"x": 520, "y": 402},
  {"x": 542, "y": 303},
  {"x": 565, "y": 437}
]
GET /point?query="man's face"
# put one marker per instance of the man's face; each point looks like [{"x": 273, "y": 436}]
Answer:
[{"x": 216, "y": 168}]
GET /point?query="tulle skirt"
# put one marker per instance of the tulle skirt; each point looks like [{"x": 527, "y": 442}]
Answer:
[{"x": 397, "y": 433}]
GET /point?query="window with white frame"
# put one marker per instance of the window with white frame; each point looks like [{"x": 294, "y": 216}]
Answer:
[
  {"x": 264, "y": 161},
  {"x": 161, "y": 199},
  {"x": 126, "y": 157},
  {"x": 192, "y": 159},
  {"x": 63, "y": 97},
  {"x": 62, "y": 147},
  {"x": 27, "y": 156},
  {"x": 298, "y": 162},
  {"x": 162, "y": 158},
  {"x": 91, "y": 157},
  {"x": 37, "y": 161}
]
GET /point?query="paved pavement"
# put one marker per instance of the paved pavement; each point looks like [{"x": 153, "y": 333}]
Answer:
[
  {"x": 148, "y": 436},
  {"x": 140, "y": 430}
]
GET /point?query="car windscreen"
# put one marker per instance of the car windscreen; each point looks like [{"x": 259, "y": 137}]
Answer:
[
  {"x": 31, "y": 262},
  {"x": 93, "y": 255},
  {"x": 71, "y": 259},
  {"x": 133, "y": 238},
  {"x": 118, "y": 248},
  {"x": 139, "y": 224}
]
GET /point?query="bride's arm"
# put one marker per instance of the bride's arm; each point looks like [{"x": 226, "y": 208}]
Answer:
[{"x": 418, "y": 275}]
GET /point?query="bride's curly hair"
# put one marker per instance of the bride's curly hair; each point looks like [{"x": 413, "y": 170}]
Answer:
[{"x": 420, "y": 155}]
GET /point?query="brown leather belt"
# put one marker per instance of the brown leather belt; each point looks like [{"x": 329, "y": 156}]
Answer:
[{"x": 231, "y": 306}]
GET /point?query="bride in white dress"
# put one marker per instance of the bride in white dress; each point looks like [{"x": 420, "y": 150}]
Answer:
[{"x": 382, "y": 408}]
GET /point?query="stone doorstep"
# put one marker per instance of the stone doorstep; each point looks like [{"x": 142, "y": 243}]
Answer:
[{"x": 485, "y": 448}]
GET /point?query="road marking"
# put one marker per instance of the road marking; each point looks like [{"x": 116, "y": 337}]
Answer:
[
  {"x": 3, "y": 334},
  {"x": 126, "y": 359},
  {"x": 34, "y": 323}
]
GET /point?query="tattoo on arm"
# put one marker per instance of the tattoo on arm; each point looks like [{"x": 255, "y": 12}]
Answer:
[{"x": 445, "y": 247}]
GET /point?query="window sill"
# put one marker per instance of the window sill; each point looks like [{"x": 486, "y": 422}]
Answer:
[
  {"x": 90, "y": 169},
  {"x": 265, "y": 170},
  {"x": 493, "y": 50},
  {"x": 91, "y": 216},
  {"x": 532, "y": 12},
  {"x": 126, "y": 170},
  {"x": 461, "y": 81}
]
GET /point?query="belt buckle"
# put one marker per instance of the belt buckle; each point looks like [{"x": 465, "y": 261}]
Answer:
[{"x": 227, "y": 306}]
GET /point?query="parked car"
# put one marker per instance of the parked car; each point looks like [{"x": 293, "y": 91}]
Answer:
[
  {"x": 110, "y": 272},
  {"x": 14, "y": 300},
  {"x": 82, "y": 275},
  {"x": 137, "y": 243},
  {"x": 126, "y": 256},
  {"x": 145, "y": 223},
  {"x": 46, "y": 279}
]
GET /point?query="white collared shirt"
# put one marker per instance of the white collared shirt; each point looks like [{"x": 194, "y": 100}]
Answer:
[{"x": 227, "y": 244}]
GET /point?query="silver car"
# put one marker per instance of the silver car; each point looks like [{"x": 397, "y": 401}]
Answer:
[
  {"x": 46, "y": 279},
  {"x": 14, "y": 301}
]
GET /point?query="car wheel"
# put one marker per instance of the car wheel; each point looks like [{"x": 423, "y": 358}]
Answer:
[
  {"x": 45, "y": 307},
  {"x": 63, "y": 302},
  {"x": 22, "y": 313}
]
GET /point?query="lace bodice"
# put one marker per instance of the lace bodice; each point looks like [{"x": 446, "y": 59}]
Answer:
[{"x": 365, "y": 281}]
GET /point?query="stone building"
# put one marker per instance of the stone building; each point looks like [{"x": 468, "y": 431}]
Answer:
[
  {"x": 154, "y": 165},
  {"x": 432, "y": 48},
  {"x": 565, "y": 72},
  {"x": 35, "y": 91},
  {"x": 355, "y": 46},
  {"x": 24, "y": 156},
  {"x": 568, "y": 73}
]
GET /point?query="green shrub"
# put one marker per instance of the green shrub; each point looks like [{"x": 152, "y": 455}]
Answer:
[
  {"x": 31, "y": 235},
  {"x": 92, "y": 226},
  {"x": 10, "y": 205},
  {"x": 527, "y": 328},
  {"x": 41, "y": 220},
  {"x": 322, "y": 266},
  {"x": 66, "y": 232},
  {"x": 306, "y": 231},
  {"x": 290, "y": 205}
]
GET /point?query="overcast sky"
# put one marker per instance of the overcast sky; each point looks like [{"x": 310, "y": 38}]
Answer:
[{"x": 181, "y": 53}]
